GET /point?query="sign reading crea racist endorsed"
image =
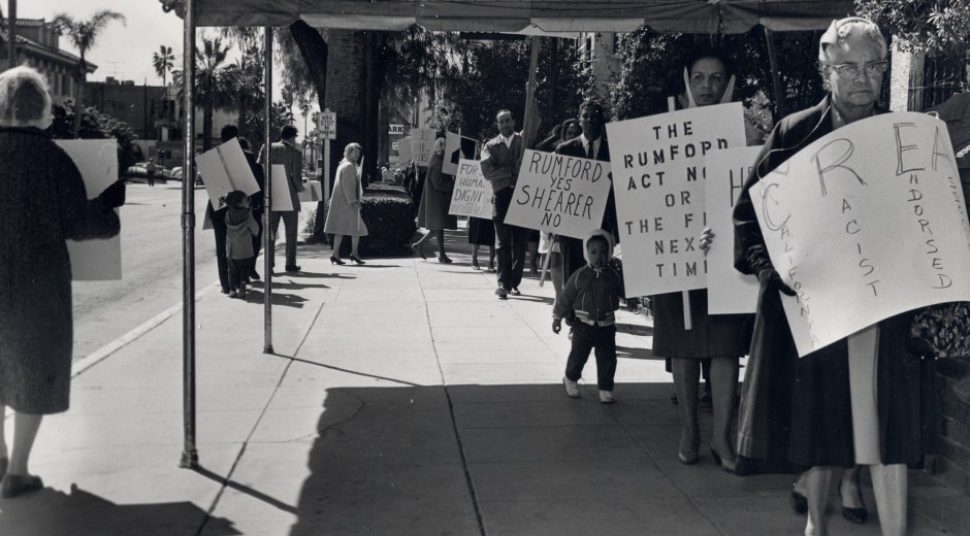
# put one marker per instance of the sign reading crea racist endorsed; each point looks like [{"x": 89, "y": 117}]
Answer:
[
  {"x": 866, "y": 223},
  {"x": 659, "y": 182},
  {"x": 560, "y": 194}
]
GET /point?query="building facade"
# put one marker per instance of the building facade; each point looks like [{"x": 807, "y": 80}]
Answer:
[{"x": 38, "y": 45}]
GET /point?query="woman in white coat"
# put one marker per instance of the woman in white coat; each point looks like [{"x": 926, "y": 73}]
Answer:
[{"x": 343, "y": 218}]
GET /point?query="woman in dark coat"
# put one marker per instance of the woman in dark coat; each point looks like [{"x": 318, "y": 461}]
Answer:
[
  {"x": 807, "y": 411},
  {"x": 44, "y": 204},
  {"x": 708, "y": 79},
  {"x": 435, "y": 202}
]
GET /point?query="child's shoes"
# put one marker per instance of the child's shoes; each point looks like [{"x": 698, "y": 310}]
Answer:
[
  {"x": 606, "y": 397},
  {"x": 233, "y": 293},
  {"x": 572, "y": 388}
]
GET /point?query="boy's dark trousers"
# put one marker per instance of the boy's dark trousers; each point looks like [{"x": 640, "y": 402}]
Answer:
[
  {"x": 586, "y": 338},
  {"x": 239, "y": 272}
]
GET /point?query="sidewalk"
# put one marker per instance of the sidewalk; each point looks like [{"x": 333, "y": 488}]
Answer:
[{"x": 403, "y": 399}]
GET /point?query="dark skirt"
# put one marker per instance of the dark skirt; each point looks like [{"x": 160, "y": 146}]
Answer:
[
  {"x": 710, "y": 336},
  {"x": 481, "y": 232}
]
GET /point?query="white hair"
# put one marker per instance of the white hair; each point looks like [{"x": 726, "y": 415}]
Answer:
[
  {"x": 24, "y": 99},
  {"x": 439, "y": 145},
  {"x": 841, "y": 30}
]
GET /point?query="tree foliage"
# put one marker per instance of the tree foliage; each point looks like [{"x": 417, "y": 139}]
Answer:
[
  {"x": 163, "y": 61},
  {"x": 925, "y": 25}
]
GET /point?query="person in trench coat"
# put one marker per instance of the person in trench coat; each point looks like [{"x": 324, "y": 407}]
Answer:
[{"x": 343, "y": 217}]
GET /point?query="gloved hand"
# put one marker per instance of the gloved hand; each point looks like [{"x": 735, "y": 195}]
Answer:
[
  {"x": 114, "y": 195},
  {"x": 920, "y": 346},
  {"x": 770, "y": 276}
]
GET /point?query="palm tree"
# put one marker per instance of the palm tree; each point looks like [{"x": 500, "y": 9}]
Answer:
[
  {"x": 216, "y": 82},
  {"x": 163, "y": 61},
  {"x": 83, "y": 34}
]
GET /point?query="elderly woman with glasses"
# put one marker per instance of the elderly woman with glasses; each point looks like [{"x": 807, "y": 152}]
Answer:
[{"x": 861, "y": 400}]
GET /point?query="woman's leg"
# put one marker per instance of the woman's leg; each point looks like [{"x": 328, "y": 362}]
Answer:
[
  {"x": 25, "y": 426},
  {"x": 686, "y": 373},
  {"x": 475, "y": 254},
  {"x": 724, "y": 381},
  {"x": 890, "y": 486},
  {"x": 441, "y": 244},
  {"x": 849, "y": 488},
  {"x": 3, "y": 439},
  {"x": 354, "y": 242},
  {"x": 338, "y": 240},
  {"x": 817, "y": 481}
]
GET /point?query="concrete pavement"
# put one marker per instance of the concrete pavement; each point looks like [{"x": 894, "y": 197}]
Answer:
[{"x": 403, "y": 399}]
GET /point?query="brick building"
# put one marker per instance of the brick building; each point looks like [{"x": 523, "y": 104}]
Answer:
[{"x": 38, "y": 45}]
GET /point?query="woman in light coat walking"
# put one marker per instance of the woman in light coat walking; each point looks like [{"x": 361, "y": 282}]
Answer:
[{"x": 343, "y": 218}]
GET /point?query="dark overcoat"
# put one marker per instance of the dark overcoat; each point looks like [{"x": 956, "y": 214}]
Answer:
[
  {"x": 43, "y": 203},
  {"x": 796, "y": 412},
  {"x": 436, "y": 199}
]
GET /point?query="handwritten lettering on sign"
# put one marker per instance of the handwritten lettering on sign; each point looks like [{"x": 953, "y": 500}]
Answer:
[
  {"x": 866, "y": 223},
  {"x": 472, "y": 195},
  {"x": 560, "y": 194},
  {"x": 659, "y": 178}
]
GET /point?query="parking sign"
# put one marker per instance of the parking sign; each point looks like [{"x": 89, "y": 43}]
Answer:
[{"x": 328, "y": 125}]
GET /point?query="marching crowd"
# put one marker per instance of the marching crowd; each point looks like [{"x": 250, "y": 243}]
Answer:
[{"x": 865, "y": 401}]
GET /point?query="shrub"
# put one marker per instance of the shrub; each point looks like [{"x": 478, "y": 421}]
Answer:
[{"x": 388, "y": 212}]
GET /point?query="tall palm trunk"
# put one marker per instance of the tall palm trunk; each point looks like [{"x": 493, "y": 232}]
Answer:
[
  {"x": 79, "y": 94},
  {"x": 207, "y": 115}
]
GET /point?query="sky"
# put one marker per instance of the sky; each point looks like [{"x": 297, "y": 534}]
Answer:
[{"x": 123, "y": 51}]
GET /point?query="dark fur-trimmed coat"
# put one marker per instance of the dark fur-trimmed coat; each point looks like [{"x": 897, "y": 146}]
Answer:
[{"x": 43, "y": 203}]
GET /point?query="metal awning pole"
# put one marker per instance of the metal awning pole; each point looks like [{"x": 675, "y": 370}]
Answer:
[
  {"x": 190, "y": 456},
  {"x": 268, "y": 252}
]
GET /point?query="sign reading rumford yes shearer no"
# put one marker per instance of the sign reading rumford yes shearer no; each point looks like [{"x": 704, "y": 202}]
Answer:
[
  {"x": 560, "y": 194},
  {"x": 866, "y": 223},
  {"x": 659, "y": 182}
]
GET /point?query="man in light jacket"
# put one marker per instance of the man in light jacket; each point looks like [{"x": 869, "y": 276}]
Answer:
[
  {"x": 286, "y": 153},
  {"x": 500, "y": 162}
]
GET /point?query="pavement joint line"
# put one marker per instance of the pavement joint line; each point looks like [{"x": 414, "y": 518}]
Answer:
[
  {"x": 476, "y": 504},
  {"x": 227, "y": 480},
  {"x": 85, "y": 363}
]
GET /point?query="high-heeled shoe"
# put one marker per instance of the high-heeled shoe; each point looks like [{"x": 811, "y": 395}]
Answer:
[
  {"x": 357, "y": 260},
  {"x": 854, "y": 515},
  {"x": 688, "y": 458},
  {"x": 798, "y": 502},
  {"x": 444, "y": 260},
  {"x": 336, "y": 260},
  {"x": 475, "y": 265},
  {"x": 723, "y": 463},
  {"x": 418, "y": 250}
]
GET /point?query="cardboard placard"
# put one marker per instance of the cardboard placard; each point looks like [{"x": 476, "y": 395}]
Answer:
[
  {"x": 560, "y": 194},
  {"x": 422, "y": 145},
  {"x": 312, "y": 192},
  {"x": 97, "y": 160},
  {"x": 658, "y": 177},
  {"x": 225, "y": 169},
  {"x": 866, "y": 223},
  {"x": 280, "y": 194},
  {"x": 472, "y": 195},
  {"x": 457, "y": 148},
  {"x": 728, "y": 290}
]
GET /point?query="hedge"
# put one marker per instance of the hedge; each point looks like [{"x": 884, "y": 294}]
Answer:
[{"x": 389, "y": 212}]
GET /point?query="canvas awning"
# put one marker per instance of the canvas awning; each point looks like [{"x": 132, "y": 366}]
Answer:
[{"x": 529, "y": 16}]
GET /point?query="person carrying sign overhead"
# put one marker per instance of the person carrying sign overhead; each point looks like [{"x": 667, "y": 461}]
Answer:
[
  {"x": 501, "y": 158},
  {"x": 286, "y": 153},
  {"x": 864, "y": 399}
]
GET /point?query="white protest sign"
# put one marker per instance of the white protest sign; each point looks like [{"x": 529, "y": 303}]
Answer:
[
  {"x": 225, "y": 169},
  {"x": 472, "y": 195},
  {"x": 280, "y": 194},
  {"x": 866, "y": 223},
  {"x": 422, "y": 145},
  {"x": 659, "y": 177},
  {"x": 312, "y": 191},
  {"x": 404, "y": 151},
  {"x": 457, "y": 148},
  {"x": 560, "y": 194},
  {"x": 97, "y": 160},
  {"x": 728, "y": 290}
]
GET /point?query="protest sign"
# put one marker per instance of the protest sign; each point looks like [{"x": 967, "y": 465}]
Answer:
[
  {"x": 659, "y": 176},
  {"x": 422, "y": 144},
  {"x": 225, "y": 169},
  {"x": 728, "y": 290},
  {"x": 560, "y": 194},
  {"x": 457, "y": 148},
  {"x": 312, "y": 191},
  {"x": 404, "y": 151},
  {"x": 97, "y": 160},
  {"x": 280, "y": 194},
  {"x": 472, "y": 195},
  {"x": 866, "y": 223}
]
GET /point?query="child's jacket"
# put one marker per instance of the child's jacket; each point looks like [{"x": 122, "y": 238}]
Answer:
[
  {"x": 591, "y": 295},
  {"x": 240, "y": 230}
]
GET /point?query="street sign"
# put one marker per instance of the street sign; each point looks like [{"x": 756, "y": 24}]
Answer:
[
  {"x": 328, "y": 125},
  {"x": 396, "y": 129}
]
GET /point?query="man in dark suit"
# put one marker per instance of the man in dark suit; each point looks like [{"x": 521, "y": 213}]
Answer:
[
  {"x": 286, "y": 153},
  {"x": 501, "y": 158},
  {"x": 590, "y": 144}
]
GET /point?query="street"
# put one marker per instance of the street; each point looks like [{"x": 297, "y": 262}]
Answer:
[{"x": 151, "y": 256}]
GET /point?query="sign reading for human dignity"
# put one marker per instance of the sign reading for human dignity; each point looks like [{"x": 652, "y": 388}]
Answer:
[
  {"x": 560, "y": 194},
  {"x": 97, "y": 160},
  {"x": 659, "y": 178},
  {"x": 866, "y": 223},
  {"x": 472, "y": 195},
  {"x": 728, "y": 290}
]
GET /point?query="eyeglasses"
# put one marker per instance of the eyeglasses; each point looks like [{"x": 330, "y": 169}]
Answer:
[{"x": 851, "y": 70}]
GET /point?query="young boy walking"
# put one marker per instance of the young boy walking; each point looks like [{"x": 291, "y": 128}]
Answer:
[
  {"x": 240, "y": 230},
  {"x": 588, "y": 302}
]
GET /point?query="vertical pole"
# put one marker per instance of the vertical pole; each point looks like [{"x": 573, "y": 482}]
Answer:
[
  {"x": 684, "y": 294},
  {"x": 268, "y": 251},
  {"x": 326, "y": 169},
  {"x": 775, "y": 76},
  {"x": 190, "y": 456}
]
